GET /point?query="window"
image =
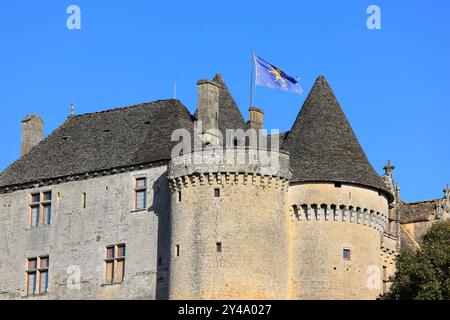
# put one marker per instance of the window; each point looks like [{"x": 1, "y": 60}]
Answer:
[
  {"x": 179, "y": 196},
  {"x": 346, "y": 254},
  {"x": 141, "y": 193},
  {"x": 115, "y": 264},
  {"x": 177, "y": 250},
  {"x": 338, "y": 185},
  {"x": 219, "y": 246},
  {"x": 40, "y": 209},
  {"x": 217, "y": 193},
  {"x": 37, "y": 275}
]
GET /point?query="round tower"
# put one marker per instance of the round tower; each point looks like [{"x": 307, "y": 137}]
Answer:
[
  {"x": 338, "y": 206},
  {"x": 228, "y": 225}
]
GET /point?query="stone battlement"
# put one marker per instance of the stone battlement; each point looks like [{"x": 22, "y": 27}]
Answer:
[
  {"x": 341, "y": 213},
  {"x": 232, "y": 164}
]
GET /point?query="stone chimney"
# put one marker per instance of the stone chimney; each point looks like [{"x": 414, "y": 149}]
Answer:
[
  {"x": 256, "y": 120},
  {"x": 32, "y": 132},
  {"x": 208, "y": 111}
]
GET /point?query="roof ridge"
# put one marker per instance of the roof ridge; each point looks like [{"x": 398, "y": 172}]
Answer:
[
  {"x": 125, "y": 107},
  {"x": 421, "y": 201}
]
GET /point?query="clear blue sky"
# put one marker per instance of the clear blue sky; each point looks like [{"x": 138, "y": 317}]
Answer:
[{"x": 393, "y": 84}]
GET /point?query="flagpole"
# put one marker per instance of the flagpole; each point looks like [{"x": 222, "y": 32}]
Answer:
[{"x": 252, "y": 79}]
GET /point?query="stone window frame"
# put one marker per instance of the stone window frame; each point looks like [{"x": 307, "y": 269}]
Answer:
[
  {"x": 115, "y": 264},
  {"x": 42, "y": 201},
  {"x": 37, "y": 269},
  {"x": 140, "y": 189},
  {"x": 346, "y": 250}
]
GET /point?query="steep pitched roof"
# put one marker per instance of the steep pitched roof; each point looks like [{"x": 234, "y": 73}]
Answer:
[
  {"x": 323, "y": 146},
  {"x": 104, "y": 140},
  {"x": 230, "y": 116}
]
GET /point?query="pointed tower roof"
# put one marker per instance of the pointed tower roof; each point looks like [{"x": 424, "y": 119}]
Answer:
[
  {"x": 323, "y": 146},
  {"x": 229, "y": 115}
]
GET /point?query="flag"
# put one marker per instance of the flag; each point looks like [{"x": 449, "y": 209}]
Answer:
[{"x": 270, "y": 76}]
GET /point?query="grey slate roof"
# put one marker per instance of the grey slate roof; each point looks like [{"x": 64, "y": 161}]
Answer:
[
  {"x": 103, "y": 140},
  {"x": 417, "y": 211},
  {"x": 323, "y": 146},
  {"x": 114, "y": 138},
  {"x": 230, "y": 116}
]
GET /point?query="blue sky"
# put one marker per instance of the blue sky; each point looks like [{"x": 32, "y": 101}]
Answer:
[{"x": 393, "y": 83}]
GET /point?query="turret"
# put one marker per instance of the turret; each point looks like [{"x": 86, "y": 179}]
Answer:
[
  {"x": 338, "y": 206},
  {"x": 228, "y": 225}
]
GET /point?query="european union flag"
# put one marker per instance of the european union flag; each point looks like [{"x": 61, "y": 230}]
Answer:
[{"x": 268, "y": 75}]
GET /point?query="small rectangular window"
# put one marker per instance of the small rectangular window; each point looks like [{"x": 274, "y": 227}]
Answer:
[
  {"x": 31, "y": 286},
  {"x": 47, "y": 213},
  {"x": 219, "y": 246},
  {"x": 34, "y": 220},
  {"x": 43, "y": 282},
  {"x": 32, "y": 263},
  {"x": 110, "y": 253},
  {"x": 83, "y": 200},
  {"x": 179, "y": 196},
  {"x": 44, "y": 263},
  {"x": 109, "y": 272},
  {"x": 141, "y": 193},
  {"x": 346, "y": 254},
  {"x": 141, "y": 199},
  {"x": 121, "y": 250},
  {"x": 48, "y": 196},
  {"x": 177, "y": 250},
  {"x": 338, "y": 185},
  {"x": 216, "y": 192},
  {"x": 141, "y": 183},
  {"x": 35, "y": 198}
]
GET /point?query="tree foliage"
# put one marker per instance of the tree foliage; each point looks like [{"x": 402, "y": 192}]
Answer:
[{"x": 424, "y": 274}]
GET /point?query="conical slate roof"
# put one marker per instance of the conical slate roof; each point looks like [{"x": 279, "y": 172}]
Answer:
[{"x": 323, "y": 146}]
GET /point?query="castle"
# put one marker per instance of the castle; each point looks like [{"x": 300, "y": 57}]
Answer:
[{"x": 102, "y": 209}]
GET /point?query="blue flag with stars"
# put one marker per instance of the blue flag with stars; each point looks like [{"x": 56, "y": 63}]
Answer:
[{"x": 270, "y": 76}]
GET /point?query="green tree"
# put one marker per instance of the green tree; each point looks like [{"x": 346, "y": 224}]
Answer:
[{"x": 424, "y": 274}]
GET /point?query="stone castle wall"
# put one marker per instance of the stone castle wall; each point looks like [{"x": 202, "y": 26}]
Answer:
[{"x": 78, "y": 237}]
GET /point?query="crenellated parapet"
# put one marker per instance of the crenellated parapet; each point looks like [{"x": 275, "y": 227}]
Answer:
[
  {"x": 341, "y": 213},
  {"x": 236, "y": 166}
]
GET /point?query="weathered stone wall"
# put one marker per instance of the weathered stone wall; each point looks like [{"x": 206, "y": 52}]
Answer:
[
  {"x": 249, "y": 221},
  {"x": 317, "y": 240},
  {"x": 78, "y": 237}
]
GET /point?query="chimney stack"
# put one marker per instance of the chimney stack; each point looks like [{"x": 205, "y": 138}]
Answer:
[
  {"x": 32, "y": 132},
  {"x": 256, "y": 120},
  {"x": 208, "y": 111}
]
